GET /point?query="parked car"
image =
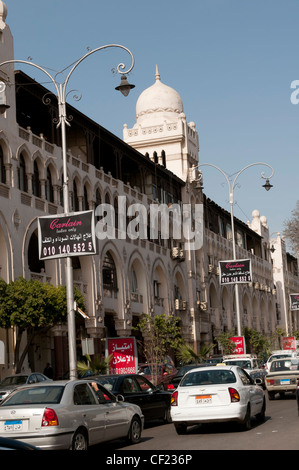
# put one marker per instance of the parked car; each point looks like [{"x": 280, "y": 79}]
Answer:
[
  {"x": 171, "y": 382},
  {"x": 147, "y": 370},
  {"x": 215, "y": 359},
  {"x": 282, "y": 376},
  {"x": 12, "y": 382},
  {"x": 154, "y": 402},
  {"x": 68, "y": 415},
  {"x": 216, "y": 394},
  {"x": 281, "y": 354},
  {"x": 249, "y": 362}
]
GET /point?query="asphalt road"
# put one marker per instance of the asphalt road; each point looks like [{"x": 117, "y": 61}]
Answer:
[{"x": 280, "y": 431}]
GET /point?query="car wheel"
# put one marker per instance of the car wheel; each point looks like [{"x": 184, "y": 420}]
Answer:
[
  {"x": 262, "y": 415},
  {"x": 167, "y": 416},
  {"x": 180, "y": 428},
  {"x": 246, "y": 423},
  {"x": 271, "y": 395},
  {"x": 79, "y": 441},
  {"x": 135, "y": 431}
]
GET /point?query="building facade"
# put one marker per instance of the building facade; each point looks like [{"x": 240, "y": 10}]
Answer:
[{"x": 129, "y": 275}]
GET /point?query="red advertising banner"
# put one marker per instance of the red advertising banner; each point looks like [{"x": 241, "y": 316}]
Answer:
[
  {"x": 240, "y": 344},
  {"x": 124, "y": 355},
  {"x": 289, "y": 342}
]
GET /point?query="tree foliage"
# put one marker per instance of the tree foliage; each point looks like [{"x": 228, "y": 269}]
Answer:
[
  {"x": 162, "y": 334},
  {"x": 186, "y": 353},
  {"x": 32, "y": 307},
  {"x": 96, "y": 365},
  {"x": 291, "y": 231}
]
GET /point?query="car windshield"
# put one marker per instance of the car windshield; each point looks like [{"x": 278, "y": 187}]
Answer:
[
  {"x": 14, "y": 380},
  {"x": 284, "y": 365},
  {"x": 37, "y": 395},
  {"x": 244, "y": 364},
  {"x": 278, "y": 356},
  {"x": 208, "y": 377}
]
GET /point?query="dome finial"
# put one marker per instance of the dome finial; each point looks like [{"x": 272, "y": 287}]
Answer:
[{"x": 157, "y": 76}]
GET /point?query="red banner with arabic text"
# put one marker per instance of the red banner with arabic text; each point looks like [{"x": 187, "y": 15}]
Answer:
[{"x": 124, "y": 355}]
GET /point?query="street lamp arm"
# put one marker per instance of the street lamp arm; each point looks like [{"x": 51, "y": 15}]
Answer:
[
  {"x": 61, "y": 90},
  {"x": 120, "y": 66},
  {"x": 252, "y": 164},
  {"x": 27, "y": 62}
]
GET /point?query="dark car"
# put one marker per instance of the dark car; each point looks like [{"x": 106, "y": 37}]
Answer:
[
  {"x": 154, "y": 402},
  {"x": 171, "y": 383},
  {"x": 162, "y": 372}
]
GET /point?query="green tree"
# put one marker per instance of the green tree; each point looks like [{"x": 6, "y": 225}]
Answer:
[
  {"x": 186, "y": 353},
  {"x": 32, "y": 307},
  {"x": 291, "y": 231},
  {"x": 256, "y": 343},
  {"x": 96, "y": 365},
  {"x": 161, "y": 335},
  {"x": 225, "y": 342}
]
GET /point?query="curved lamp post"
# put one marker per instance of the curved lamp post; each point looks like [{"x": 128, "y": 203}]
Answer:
[
  {"x": 61, "y": 94},
  {"x": 231, "y": 187}
]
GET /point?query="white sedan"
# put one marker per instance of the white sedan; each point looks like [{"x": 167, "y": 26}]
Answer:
[
  {"x": 68, "y": 415},
  {"x": 215, "y": 394}
]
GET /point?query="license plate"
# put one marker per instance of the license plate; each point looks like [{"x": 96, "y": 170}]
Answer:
[
  {"x": 203, "y": 399},
  {"x": 15, "y": 425},
  {"x": 285, "y": 382}
]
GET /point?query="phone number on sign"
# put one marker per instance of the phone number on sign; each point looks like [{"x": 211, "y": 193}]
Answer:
[
  {"x": 65, "y": 249},
  {"x": 123, "y": 370}
]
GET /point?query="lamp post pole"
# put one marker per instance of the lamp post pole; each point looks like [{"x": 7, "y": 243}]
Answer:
[
  {"x": 231, "y": 187},
  {"x": 61, "y": 94}
]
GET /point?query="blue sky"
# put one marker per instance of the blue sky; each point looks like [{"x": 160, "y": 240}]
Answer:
[{"x": 231, "y": 61}]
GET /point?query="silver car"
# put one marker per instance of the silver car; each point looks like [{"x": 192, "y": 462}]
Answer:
[
  {"x": 12, "y": 382},
  {"x": 68, "y": 415}
]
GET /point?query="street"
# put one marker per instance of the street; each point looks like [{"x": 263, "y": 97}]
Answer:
[{"x": 280, "y": 431}]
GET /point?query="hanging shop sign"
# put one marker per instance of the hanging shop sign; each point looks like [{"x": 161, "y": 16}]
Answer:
[
  {"x": 62, "y": 236},
  {"x": 294, "y": 301},
  {"x": 236, "y": 271},
  {"x": 124, "y": 355}
]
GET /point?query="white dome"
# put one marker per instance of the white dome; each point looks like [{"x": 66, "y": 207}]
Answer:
[
  {"x": 158, "y": 101},
  {"x": 3, "y": 14}
]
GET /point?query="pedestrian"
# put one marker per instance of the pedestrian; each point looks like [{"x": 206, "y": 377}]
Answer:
[{"x": 48, "y": 371}]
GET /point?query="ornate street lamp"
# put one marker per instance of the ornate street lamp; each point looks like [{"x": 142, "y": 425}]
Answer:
[
  {"x": 231, "y": 187},
  {"x": 61, "y": 93}
]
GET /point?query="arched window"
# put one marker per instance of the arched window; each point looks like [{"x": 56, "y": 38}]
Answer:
[
  {"x": 75, "y": 201},
  {"x": 85, "y": 200},
  {"x": 22, "y": 177},
  {"x": 109, "y": 273},
  {"x": 36, "y": 188},
  {"x": 49, "y": 187},
  {"x": 2, "y": 167}
]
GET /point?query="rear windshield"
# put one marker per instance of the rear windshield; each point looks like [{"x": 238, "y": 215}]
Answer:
[
  {"x": 208, "y": 377},
  {"x": 284, "y": 365},
  {"x": 37, "y": 395},
  {"x": 278, "y": 356},
  {"x": 244, "y": 364},
  {"x": 107, "y": 382},
  {"x": 14, "y": 380}
]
